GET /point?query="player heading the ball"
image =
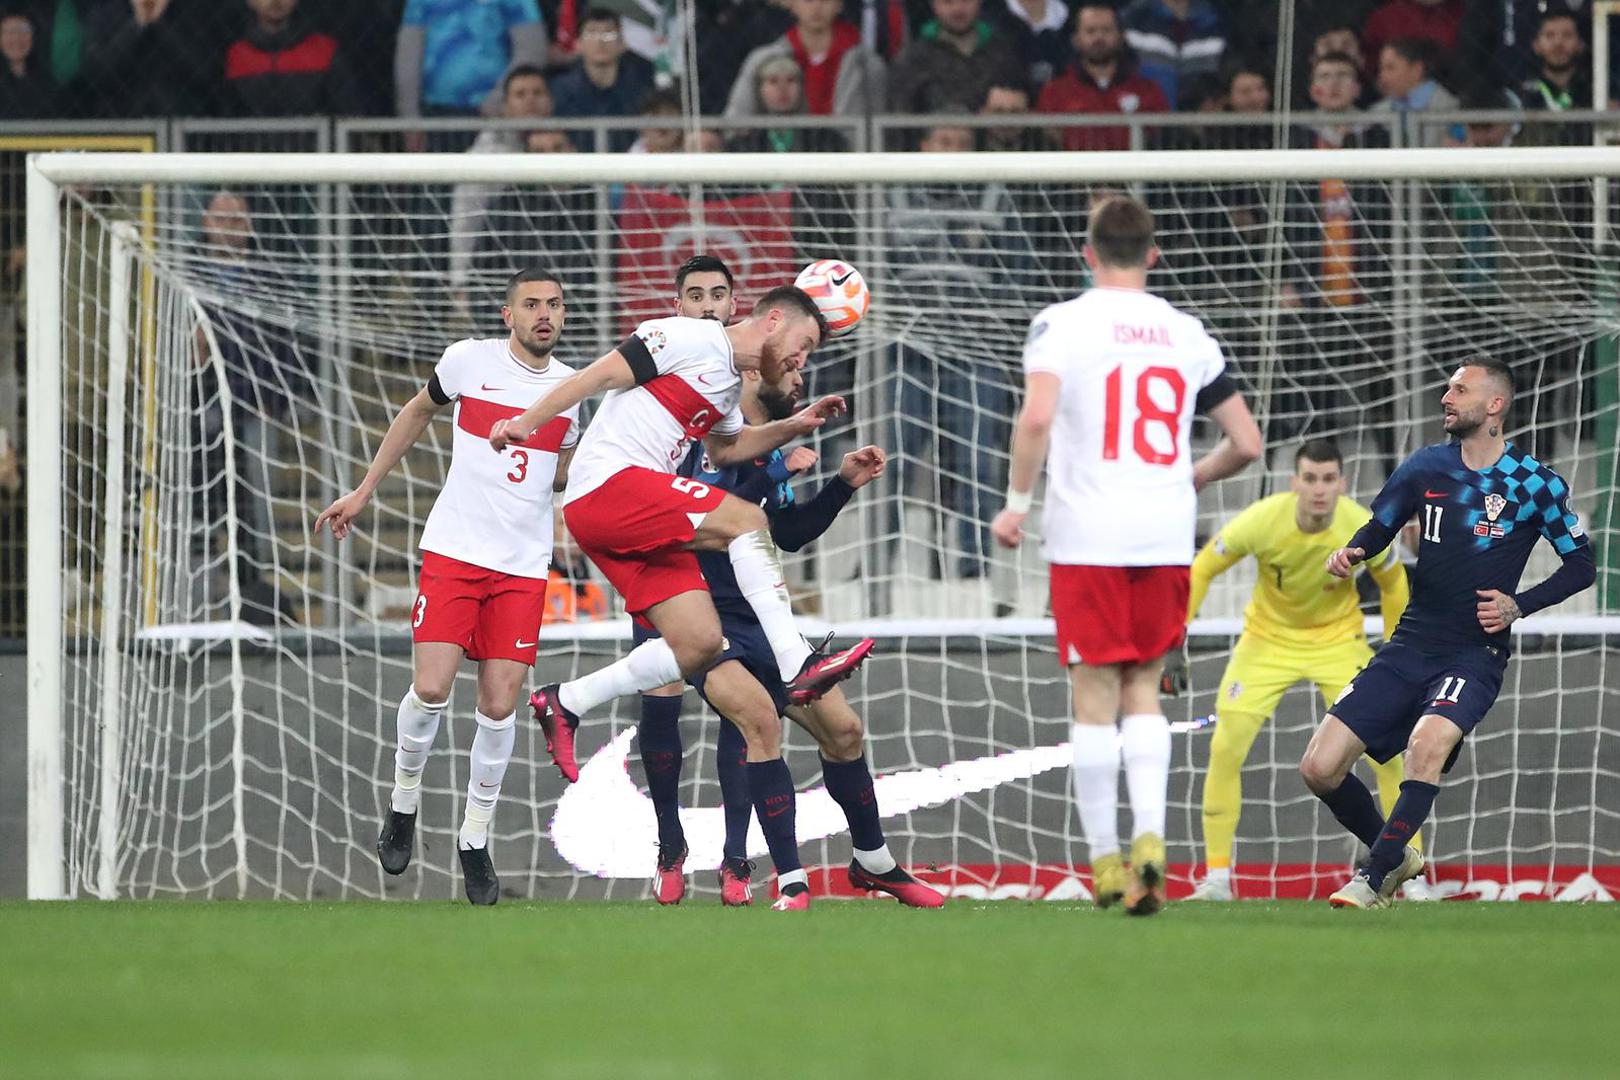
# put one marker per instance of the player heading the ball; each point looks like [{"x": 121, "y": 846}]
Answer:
[
  {"x": 1482, "y": 505},
  {"x": 1113, "y": 379}
]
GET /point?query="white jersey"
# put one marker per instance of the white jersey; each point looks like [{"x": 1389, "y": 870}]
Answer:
[
  {"x": 687, "y": 386},
  {"x": 495, "y": 508},
  {"x": 1119, "y": 489}
]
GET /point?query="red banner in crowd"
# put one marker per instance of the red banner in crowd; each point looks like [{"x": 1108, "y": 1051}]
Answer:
[
  {"x": 1255, "y": 881},
  {"x": 660, "y": 229}
]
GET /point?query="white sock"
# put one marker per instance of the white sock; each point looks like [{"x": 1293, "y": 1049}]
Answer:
[
  {"x": 491, "y": 750},
  {"x": 792, "y": 877},
  {"x": 758, "y": 566},
  {"x": 878, "y": 861},
  {"x": 1096, "y": 785},
  {"x": 1221, "y": 874},
  {"x": 418, "y": 725},
  {"x": 649, "y": 665},
  {"x": 1145, "y": 742}
]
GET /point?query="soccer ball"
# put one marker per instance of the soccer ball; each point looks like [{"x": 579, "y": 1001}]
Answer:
[{"x": 839, "y": 291}]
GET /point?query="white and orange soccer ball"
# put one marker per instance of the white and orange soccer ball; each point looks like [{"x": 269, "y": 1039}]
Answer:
[{"x": 839, "y": 291}]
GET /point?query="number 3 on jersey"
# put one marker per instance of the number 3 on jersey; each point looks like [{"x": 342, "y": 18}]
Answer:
[
  {"x": 1163, "y": 381},
  {"x": 520, "y": 467}
]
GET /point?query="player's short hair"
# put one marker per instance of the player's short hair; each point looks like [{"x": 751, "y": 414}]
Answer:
[
  {"x": 1120, "y": 231},
  {"x": 1337, "y": 57},
  {"x": 1320, "y": 451},
  {"x": 794, "y": 299},
  {"x": 703, "y": 264},
  {"x": 597, "y": 13},
  {"x": 1414, "y": 50},
  {"x": 525, "y": 276},
  {"x": 1499, "y": 371},
  {"x": 523, "y": 71}
]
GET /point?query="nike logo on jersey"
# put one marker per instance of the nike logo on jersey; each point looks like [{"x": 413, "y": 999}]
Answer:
[
  {"x": 1434, "y": 494},
  {"x": 604, "y": 825},
  {"x": 486, "y": 386},
  {"x": 704, "y": 379},
  {"x": 527, "y": 644}
]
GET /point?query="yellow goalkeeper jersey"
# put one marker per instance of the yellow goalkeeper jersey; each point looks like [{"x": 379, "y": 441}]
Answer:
[{"x": 1296, "y": 602}]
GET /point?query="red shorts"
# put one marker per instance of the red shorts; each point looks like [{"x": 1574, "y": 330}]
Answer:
[
  {"x": 491, "y": 615},
  {"x": 634, "y": 528},
  {"x": 1118, "y": 614}
]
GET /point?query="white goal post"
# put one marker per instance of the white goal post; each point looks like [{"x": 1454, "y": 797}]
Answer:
[{"x": 100, "y": 307}]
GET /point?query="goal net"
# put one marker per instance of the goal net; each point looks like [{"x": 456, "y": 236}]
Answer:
[{"x": 217, "y": 344}]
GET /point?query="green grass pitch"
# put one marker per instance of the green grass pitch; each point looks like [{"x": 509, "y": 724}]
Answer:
[{"x": 860, "y": 989}]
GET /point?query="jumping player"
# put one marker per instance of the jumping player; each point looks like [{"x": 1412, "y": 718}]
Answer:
[
  {"x": 678, "y": 380},
  {"x": 1113, "y": 380},
  {"x": 486, "y": 551},
  {"x": 1483, "y": 503}
]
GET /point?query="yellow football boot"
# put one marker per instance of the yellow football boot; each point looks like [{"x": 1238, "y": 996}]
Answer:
[
  {"x": 1145, "y": 896},
  {"x": 1108, "y": 879}
]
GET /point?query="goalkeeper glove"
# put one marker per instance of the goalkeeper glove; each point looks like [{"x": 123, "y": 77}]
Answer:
[{"x": 1173, "y": 682}]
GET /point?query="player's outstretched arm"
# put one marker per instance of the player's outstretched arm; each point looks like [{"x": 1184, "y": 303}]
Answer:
[
  {"x": 1239, "y": 446},
  {"x": 797, "y": 524},
  {"x": 610, "y": 372},
  {"x": 1394, "y": 505},
  {"x": 1029, "y": 442},
  {"x": 406, "y": 428},
  {"x": 758, "y": 440},
  {"x": 1215, "y": 559}
]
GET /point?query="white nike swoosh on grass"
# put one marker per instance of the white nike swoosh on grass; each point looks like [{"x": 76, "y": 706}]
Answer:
[{"x": 604, "y": 825}]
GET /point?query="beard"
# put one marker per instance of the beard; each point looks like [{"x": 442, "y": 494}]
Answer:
[
  {"x": 777, "y": 405},
  {"x": 536, "y": 345},
  {"x": 1465, "y": 425}
]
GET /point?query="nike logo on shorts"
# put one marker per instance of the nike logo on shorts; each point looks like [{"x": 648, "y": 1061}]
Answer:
[{"x": 527, "y": 644}]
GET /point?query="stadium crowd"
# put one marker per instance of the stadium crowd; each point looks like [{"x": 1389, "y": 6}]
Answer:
[{"x": 409, "y": 58}]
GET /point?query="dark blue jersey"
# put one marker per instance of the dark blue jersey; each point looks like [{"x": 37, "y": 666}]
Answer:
[
  {"x": 1478, "y": 528},
  {"x": 767, "y": 483}
]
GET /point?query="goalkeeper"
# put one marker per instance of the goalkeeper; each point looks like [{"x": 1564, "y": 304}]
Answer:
[{"x": 1299, "y": 624}]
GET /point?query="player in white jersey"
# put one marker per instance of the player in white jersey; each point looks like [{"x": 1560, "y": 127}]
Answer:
[
  {"x": 486, "y": 551},
  {"x": 675, "y": 381},
  {"x": 1113, "y": 379}
]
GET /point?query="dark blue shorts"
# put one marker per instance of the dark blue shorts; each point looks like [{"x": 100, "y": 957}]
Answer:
[
  {"x": 745, "y": 642},
  {"x": 1402, "y": 684}
]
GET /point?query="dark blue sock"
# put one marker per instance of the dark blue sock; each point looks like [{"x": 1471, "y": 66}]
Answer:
[
  {"x": 731, "y": 763},
  {"x": 1353, "y": 805},
  {"x": 661, "y": 760},
  {"x": 772, "y": 787},
  {"x": 1411, "y": 811},
  {"x": 850, "y": 785}
]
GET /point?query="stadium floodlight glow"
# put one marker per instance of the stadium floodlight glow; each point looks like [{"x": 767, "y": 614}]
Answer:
[{"x": 211, "y": 692}]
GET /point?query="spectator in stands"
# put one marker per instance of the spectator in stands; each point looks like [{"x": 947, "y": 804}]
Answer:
[
  {"x": 150, "y": 58},
  {"x": 956, "y": 57},
  {"x": 1041, "y": 27},
  {"x": 841, "y": 76},
  {"x": 608, "y": 81},
  {"x": 1561, "y": 81},
  {"x": 61, "y": 46},
  {"x": 661, "y": 139},
  {"x": 1406, "y": 79},
  {"x": 266, "y": 379},
  {"x": 1336, "y": 235},
  {"x": 1435, "y": 21},
  {"x": 1013, "y": 99},
  {"x": 525, "y": 95},
  {"x": 26, "y": 90},
  {"x": 1248, "y": 89},
  {"x": 1175, "y": 40},
  {"x": 1252, "y": 27},
  {"x": 1493, "y": 37},
  {"x": 281, "y": 66},
  {"x": 451, "y": 55},
  {"x": 1102, "y": 79},
  {"x": 726, "y": 34},
  {"x": 779, "y": 91},
  {"x": 963, "y": 272}
]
